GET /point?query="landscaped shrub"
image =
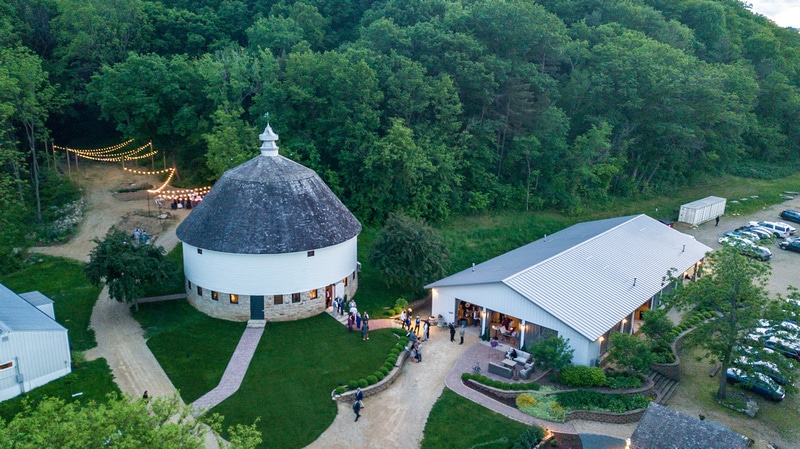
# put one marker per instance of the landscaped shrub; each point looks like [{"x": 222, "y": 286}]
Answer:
[
  {"x": 388, "y": 366},
  {"x": 526, "y": 400},
  {"x": 623, "y": 380},
  {"x": 530, "y": 438},
  {"x": 582, "y": 376},
  {"x": 465, "y": 376},
  {"x": 372, "y": 380},
  {"x": 662, "y": 353},
  {"x": 384, "y": 370},
  {"x": 481, "y": 379},
  {"x": 379, "y": 375},
  {"x": 391, "y": 359},
  {"x": 352, "y": 385},
  {"x": 546, "y": 407},
  {"x": 593, "y": 400},
  {"x": 394, "y": 351},
  {"x": 340, "y": 390},
  {"x": 363, "y": 383}
]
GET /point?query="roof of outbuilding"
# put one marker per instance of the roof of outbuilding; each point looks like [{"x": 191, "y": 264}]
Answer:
[
  {"x": 584, "y": 275},
  {"x": 269, "y": 205},
  {"x": 17, "y": 314},
  {"x": 664, "y": 428}
]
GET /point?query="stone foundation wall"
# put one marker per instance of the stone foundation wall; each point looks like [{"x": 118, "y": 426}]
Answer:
[{"x": 223, "y": 308}]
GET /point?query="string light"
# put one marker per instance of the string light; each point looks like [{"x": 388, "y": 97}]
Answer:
[
  {"x": 147, "y": 173},
  {"x": 97, "y": 150}
]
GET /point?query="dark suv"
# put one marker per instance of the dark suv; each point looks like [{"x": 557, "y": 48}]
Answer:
[
  {"x": 791, "y": 245},
  {"x": 791, "y": 215}
]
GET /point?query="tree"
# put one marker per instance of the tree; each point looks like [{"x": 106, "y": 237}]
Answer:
[
  {"x": 657, "y": 325},
  {"x": 409, "y": 252},
  {"x": 552, "y": 353},
  {"x": 126, "y": 267},
  {"x": 630, "y": 352},
  {"x": 120, "y": 422},
  {"x": 734, "y": 291}
]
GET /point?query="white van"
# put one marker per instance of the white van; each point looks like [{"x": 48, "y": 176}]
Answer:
[{"x": 779, "y": 229}]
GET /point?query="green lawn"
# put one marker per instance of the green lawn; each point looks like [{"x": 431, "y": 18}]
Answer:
[
  {"x": 452, "y": 423},
  {"x": 177, "y": 284},
  {"x": 61, "y": 280},
  {"x": 192, "y": 347},
  {"x": 295, "y": 368},
  {"x": 91, "y": 381}
]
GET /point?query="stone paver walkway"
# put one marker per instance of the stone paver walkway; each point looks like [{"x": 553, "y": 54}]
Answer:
[
  {"x": 479, "y": 354},
  {"x": 234, "y": 372}
]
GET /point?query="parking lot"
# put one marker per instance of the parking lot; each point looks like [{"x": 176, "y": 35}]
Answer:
[{"x": 785, "y": 264}]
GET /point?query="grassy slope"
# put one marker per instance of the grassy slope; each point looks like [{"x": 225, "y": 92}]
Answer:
[
  {"x": 292, "y": 374},
  {"x": 61, "y": 280},
  {"x": 192, "y": 347},
  {"x": 452, "y": 412}
]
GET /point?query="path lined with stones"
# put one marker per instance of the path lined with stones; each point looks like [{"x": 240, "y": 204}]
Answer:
[{"x": 234, "y": 372}]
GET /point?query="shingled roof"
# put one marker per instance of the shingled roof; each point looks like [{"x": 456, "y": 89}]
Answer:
[
  {"x": 664, "y": 428},
  {"x": 269, "y": 205}
]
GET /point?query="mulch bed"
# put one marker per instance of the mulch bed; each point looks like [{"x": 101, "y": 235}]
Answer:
[{"x": 565, "y": 440}]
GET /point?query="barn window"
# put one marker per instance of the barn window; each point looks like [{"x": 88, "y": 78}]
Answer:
[
  {"x": 234, "y": 298},
  {"x": 312, "y": 294},
  {"x": 295, "y": 297},
  {"x": 278, "y": 299},
  {"x": 214, "y": 295},
  {"x": 199, "y": 250},
  {"x": 189, "y": 283},
  {"x": 310, "y": 254},
  {"x": 7, "y": 365},
  {"x": 199, "y": 291}
]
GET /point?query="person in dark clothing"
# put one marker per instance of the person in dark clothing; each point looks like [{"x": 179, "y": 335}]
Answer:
[
  {"x": 357, "y": 408},
  {"x": 452, "y": 332},
  {"x": 717, "y": 221}
]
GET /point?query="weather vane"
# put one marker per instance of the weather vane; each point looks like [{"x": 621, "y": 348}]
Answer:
[{"x": 266, "y": 116}]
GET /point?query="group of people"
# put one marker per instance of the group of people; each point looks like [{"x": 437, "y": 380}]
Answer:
[
  {"x": 414, "y": 346},
  {"x": 355, "y": 320},
  {"x": 140, "y": 236},
  {"x": 405, "y": 323},
  {"x": 461, "y": 332}
]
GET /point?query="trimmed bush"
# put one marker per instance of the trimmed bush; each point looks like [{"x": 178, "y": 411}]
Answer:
[
  {"x": 465, "y": 376},
  {"x": 379, "y": 375},
  {"x": 391, "y": 359},
  {"x": 582, "y": 376},
  {"x": 388, "y": 366},
  {"x": 363, "y": 383},
  {"x": 623, "y": 380},
  {"x": 394, "y": 351},
  {"x": 384, "y": 370},
  {"x": 372, "y": 380},
  {"x": 339, "y": 390},
  {"x": 593, "y": 400},
  {"x": 526, "y": 400},
  {"x": 352, "y": 385}
]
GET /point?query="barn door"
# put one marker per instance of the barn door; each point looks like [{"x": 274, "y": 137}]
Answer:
[{"x": 256, "y": 307}]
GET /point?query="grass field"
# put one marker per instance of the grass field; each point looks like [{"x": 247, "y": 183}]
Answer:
[
  {"x": 452, "y": 423},
  {"x": 61, "y": 280},
  {"x": 295, "y": 368}
]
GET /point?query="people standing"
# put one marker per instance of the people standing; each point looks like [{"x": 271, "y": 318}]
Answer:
[
  {"x": 357, "y": 409},
  {"x": 358, "y": 321},
  {"x": 416, "y": 325},
  {"x": 418, "y": 347},
  {"x": 145, "y": 396},
  {"x": 364, "y": 328},
  {"x": 426, "y": 330},
  {"x": 461, "y": 333},
  {"x": 403, "y": 319},
  {"x": 452, "y": 332},
  {"x": 350, "y": 323},
  {"x": 717, "y": 221}
]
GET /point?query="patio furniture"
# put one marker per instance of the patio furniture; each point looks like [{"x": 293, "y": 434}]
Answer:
[
  {"x": 501, "y": 370},
  {"x": 526, "y": 371}
]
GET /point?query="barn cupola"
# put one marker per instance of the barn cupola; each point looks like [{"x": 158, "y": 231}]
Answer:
[{"x": 268, "y": 139}]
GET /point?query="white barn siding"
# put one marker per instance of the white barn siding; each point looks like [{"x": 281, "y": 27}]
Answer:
[
  {"x": 269, "y": 274},
  {"x": 39, "y": 357},
  {"x": 500, "y": 298}
]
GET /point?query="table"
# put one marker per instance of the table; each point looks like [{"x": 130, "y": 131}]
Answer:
[{"x": 509, "y": 363}]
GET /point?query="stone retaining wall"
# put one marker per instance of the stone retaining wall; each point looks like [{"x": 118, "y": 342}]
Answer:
[
  {"x": 348, "y": 396},
  {"x": 672, "y": 370},
  {"x": 647, "y": 389}
]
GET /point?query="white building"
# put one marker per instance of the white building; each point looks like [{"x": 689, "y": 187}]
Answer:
[
  {"x": 580, "y": 283},
  {"x": 269, "y": 241},
  {"x": 34, "y": 349}
]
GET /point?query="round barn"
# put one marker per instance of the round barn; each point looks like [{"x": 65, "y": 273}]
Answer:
[{"x": 270, "y": 242}]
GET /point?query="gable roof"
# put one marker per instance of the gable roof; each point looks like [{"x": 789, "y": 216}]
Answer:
[
  {"x": 664, "y": 428},
  {"x": 584, "y": 275},
  {"x": 17, "y": 314}
]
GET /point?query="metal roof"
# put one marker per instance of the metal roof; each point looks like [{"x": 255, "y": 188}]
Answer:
[
  {"x": 584, "y": 275},
  {"x": 703, "y": 202},
  {"x": 664, "y": 428},
  {"x": 17, "y": 314},
  {"x": 36, "y": 298}
]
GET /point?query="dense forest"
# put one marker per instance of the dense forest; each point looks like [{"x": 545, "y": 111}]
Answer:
[{"x": 435, "y": 107}]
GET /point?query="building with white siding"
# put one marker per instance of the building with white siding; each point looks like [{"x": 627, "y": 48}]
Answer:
[
  {"x": 270, "y": 242},
  {"x": 34, "y": 348},
  {"x": 581, "y": 283}
]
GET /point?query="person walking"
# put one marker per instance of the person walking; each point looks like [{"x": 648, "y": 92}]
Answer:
[
  {"x": 403, "y": 319},
  {"x": 357, "y": 409},
  {"x": 717, "y": 221},
  {"x": 360, "y": 396},
  {"x": 461, "y": 333},
  {"x": 364, "y": 329},
  {"x": 452, "y": 332},
  {"x": 416, "y": 325},
  {"x": 426, "y": 331}
]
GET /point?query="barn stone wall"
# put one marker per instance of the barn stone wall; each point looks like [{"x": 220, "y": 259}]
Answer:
[{"x": 223, "y": 308}]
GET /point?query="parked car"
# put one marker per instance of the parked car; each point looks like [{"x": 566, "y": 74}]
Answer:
[
  {"x": 778, "y": 229},
  {"x": 791, "y": 215},
  {"x": 752, "y": 236},
  {"x": 762, "y": 233},
  {"x": 757, "y": 382},
  {"x": 790, "y": 245},
  {"x": 747, "y": 247},
  {"x": 785, "y": 346},
  {"x": 764, "y": 367}
]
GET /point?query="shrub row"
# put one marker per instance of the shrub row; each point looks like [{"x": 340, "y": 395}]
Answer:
[
  {"x": 689, "y": 323},
  {"x": 518, "y": 386},
  {"x": 593, "y": 400},
  {"x": 582, "y": 376},
  {"x": 623, "y": 380},
  {"x": 381, "y": 372}
]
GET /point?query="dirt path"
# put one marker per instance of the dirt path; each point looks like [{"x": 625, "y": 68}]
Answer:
[{"x": 396, "y": 417}]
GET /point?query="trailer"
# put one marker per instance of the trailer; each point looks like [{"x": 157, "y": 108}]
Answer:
[{"x": 701, "y": 211}]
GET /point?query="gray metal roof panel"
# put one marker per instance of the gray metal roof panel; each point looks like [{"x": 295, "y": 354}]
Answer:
[
  {"x": 36, "y": 298},
  {"x": 17, "y": 314},
  {"x": 524, "y": 257},
  {"x": 664, "y": 428}
]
